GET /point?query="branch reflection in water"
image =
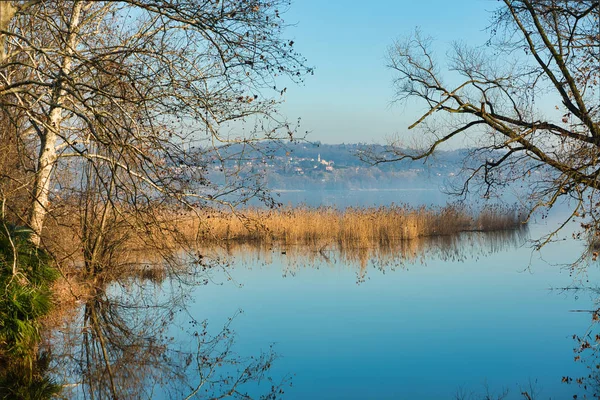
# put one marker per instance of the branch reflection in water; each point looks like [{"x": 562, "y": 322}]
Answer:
[
  {"x": 135, "y": 337},
  {"x": 586, "y": 344},
  {"x": 127, "y": 341}
]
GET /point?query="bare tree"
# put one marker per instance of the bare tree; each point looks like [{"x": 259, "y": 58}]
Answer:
[
  {"x": 127, "y": 88},
  {"x": 530, "y": 97}
]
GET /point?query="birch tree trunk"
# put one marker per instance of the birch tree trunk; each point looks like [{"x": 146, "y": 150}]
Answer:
[
  {"x": 49, "y": 135},
  {"x": 7, "y": 12},
  {"x": 133, "y": 97}
]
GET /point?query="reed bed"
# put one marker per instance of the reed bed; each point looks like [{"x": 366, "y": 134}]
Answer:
[
  {"x": 136, "y": 244},
  {"x": 351, "y": 227},
  {"x": 151, "y": 246}
]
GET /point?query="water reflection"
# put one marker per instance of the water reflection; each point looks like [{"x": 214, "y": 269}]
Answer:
[
  {"x": 146, "y": 338},
  {"x": 128, "y": 341},
  {"x": 586, "y": 344},
  {"x": 386, "y": 255}
]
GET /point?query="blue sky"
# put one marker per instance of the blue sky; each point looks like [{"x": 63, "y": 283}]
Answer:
[{"x": 348, "y": 99}]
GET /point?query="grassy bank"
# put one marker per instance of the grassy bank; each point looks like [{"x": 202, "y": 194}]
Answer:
[{"x": 26, "y": 274}]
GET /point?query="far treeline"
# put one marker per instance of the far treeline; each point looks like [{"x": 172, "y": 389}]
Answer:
[
  {"x": 305, "y": 165},
  {"x": 343, "y": 155},
  {"x": 112, "y": 110}
]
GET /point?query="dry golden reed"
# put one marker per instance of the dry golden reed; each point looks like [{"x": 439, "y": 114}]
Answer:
[
  {"x": 353, "y": 233},
  {"x": 351, "y": 227},
  {"x": 385, "y": 235}
]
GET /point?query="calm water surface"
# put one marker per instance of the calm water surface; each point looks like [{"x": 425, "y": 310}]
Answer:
[
  {"x": 366, "y": 198},
  {"x": 418, "y": 331},
  {"x": 456, "y": 320}
]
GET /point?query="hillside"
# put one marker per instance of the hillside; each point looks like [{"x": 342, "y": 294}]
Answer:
[{"x": 309, "y": 166}]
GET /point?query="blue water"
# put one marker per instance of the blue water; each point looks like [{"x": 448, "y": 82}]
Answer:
[
  {"x": 417, "y": 331},
  {"x": 365, "y": 198},
  {"x": 481, "y": 317}
]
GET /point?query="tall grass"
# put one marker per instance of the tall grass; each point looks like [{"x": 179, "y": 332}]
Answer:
[
  {"x": 29, "y": 382},
  {"x": 349, "y": 228},
  {"x": 355, "y": 233}
]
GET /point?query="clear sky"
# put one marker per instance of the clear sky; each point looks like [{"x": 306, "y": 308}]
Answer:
[{"x": 348, "y": 98}]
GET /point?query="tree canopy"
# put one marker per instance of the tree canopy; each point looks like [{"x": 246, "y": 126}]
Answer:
[
  {"x": 529, "y": 95},
  {"x": 117, "y": 92}
]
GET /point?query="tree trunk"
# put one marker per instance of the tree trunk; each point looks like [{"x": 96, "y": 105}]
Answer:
[
  {"x": 7, "y": 12},
  {"x": 41, "y": 189},
  {"x": 49, "y": 135}
]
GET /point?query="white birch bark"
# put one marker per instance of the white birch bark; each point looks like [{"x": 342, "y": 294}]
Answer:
[{"x": 49, "y": 136}]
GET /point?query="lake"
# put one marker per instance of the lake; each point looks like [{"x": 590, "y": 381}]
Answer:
[{"x": 457, "y": 318}]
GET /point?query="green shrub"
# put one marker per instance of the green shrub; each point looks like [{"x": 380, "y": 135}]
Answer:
[
  {"x": 28, "y": 382},
  {"x": 24, "y": 290}
]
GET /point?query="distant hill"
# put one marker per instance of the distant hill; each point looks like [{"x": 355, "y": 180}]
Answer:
[{"x": 304, "y": 165}]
